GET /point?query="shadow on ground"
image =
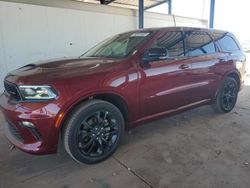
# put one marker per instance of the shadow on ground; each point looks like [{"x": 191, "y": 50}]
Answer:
[{"x": 197, "y": 148}]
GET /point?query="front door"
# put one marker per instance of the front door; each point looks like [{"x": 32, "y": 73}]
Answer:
[{"x": 165, "y": 84}]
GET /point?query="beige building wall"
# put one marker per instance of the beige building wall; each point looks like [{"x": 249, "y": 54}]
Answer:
[{"x": 55, "y": 29}]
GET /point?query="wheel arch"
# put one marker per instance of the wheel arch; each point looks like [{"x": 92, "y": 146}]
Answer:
[
  {"x": 113, "y": 98},
  {"x": 217, "y": 105},
  {"x": 236, "y": 76}
]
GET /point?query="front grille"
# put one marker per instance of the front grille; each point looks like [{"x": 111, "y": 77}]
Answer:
[
  {"x": 12, "y": 90},
  {"x": 15, "y": 132}
]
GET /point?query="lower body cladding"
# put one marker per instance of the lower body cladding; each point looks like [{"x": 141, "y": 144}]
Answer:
[{"x": 31, "y": 126}]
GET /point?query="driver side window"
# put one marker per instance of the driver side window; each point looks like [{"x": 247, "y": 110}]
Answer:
[{"x": 172, "y": 41}]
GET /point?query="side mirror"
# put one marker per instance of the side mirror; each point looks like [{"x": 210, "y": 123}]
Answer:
[{"x": 155, "y": 54}]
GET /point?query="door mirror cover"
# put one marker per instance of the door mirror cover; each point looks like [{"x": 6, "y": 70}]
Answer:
[{"x": 155, "y": 54}]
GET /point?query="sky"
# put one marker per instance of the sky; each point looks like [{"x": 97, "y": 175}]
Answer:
[{"x": 230, "y": 15}]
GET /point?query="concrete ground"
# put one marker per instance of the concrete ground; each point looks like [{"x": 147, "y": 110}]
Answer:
[{"x": 195, "y": 149}]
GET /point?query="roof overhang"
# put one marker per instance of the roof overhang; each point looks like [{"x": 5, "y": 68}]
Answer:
[{"x": 131, "y": 4}]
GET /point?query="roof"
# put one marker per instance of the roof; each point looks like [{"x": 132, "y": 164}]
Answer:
[
  {"x": 131, "y": 4},
  {"x": 177, "y": 28}
]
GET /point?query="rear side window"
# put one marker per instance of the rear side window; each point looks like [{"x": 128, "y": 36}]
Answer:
[
  {"x": 228, "y": 44},
  {"x": 198, "y": 43},
  {"x": 173, "y": 42}
]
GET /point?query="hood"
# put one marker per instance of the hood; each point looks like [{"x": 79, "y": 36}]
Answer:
[{"x": 60, "y": 69}]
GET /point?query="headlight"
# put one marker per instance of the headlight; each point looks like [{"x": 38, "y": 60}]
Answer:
[{"x": 37, "y": 92}]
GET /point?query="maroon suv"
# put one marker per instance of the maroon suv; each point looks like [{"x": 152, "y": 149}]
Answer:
[{"x": 126, "y": 80}]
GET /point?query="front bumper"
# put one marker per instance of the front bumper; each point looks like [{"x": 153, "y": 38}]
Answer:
[{"x": 43, "y": 138}]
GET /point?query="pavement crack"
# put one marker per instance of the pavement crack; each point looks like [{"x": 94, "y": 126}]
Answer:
[{"x": 133, "y": 172}]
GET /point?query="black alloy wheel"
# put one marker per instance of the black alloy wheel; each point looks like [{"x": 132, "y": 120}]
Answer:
[
  {"x": 227, "y": 96},
  {"x": 97, "y": 134},
  {"x": 93, "y": 132}
]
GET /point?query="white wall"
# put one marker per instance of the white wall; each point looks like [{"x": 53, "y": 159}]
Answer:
[{"x": 29, "y": 33}]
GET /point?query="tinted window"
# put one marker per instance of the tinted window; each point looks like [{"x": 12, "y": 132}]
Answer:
[
  {"x": 227, "y": 43},
  {"x": 173, "y": 42},
  {"x": 198, "y": 43}
]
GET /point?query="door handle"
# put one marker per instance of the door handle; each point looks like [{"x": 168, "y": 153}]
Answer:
[
  {"x": 222, "y": 60},
  {"x": 183, "y": 66}
]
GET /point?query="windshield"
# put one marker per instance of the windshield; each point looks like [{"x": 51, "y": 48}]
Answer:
[{"x": 118, "y": 46}]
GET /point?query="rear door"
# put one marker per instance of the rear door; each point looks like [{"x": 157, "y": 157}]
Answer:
[{"x": 205, "y": 60}]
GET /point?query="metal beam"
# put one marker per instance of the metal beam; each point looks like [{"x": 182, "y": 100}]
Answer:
[
  {"x": 169, "y": 6},
  {"x": 156, "y": 4},
  {"x": 141, "y": 14},
  {"x": 106, "y": 2},
  {"x": 160, "y": 3},
  {"x": 212, "y": 7}
]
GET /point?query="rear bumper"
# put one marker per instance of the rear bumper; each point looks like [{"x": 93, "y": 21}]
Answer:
[{"x": 43, "y": 138}]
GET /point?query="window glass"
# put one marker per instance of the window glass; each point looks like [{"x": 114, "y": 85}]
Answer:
[
  {"x": 119, "y": 46},
  {"x": 198, "y": 43},
  {"x": 173, "y": 42},
  {"x": 227, "y": 43}
]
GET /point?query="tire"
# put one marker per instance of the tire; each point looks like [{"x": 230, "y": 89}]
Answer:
[
  {"x": 227, "y": 96},
  {"x": 93, "y": 132}
]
